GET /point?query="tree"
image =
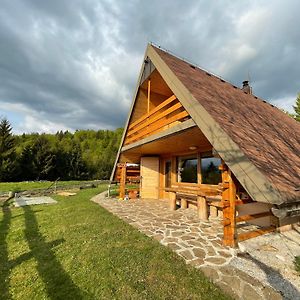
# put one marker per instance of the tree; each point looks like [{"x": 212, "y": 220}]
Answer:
[
  {"x": 7, "y": 151},
  {"x": 26, "y": 163},
  {"x": 43, "y": 158},
  {"x": 297, "y": 108},
  {"x": 77, "y": 166},
  {"x": 85, "y": 154}
]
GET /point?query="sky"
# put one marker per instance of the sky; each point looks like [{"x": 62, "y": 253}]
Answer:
[{"x": 67, "y": 65}]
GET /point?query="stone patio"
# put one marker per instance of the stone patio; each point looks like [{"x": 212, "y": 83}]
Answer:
[{"x": 199, "y": 243}]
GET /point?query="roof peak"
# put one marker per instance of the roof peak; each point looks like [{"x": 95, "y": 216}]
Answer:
[
  {"x": 193, "y": 65},
  {"x": 190, "y": 62}
]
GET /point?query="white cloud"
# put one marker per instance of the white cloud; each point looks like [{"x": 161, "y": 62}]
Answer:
[
  {"x": 285, "y": 103},
  {"x": 75, "y": 65}
]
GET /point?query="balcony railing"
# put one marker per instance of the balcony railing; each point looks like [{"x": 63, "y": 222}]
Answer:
[{"x": 165, "y": 115}]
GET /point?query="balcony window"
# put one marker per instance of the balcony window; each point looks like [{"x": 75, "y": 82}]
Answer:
[
  {"x": 210, "y": 172},
  {"x": 187, "y": 169}
]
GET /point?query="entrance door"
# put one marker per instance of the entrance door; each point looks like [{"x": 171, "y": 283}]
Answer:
[{"x": 149, "y": 177}]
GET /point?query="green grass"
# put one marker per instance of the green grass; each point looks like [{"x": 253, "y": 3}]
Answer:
[
  {"x": 77, "y": 250},
  {"x": 297, "y": 263},
  {"x": 24, "y": 186}
]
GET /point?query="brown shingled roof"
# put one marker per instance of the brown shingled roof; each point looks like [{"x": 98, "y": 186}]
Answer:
[{"x": 268, "y": 137}]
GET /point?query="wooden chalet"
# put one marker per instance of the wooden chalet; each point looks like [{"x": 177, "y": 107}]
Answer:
[{"x": 196, "y": 140}]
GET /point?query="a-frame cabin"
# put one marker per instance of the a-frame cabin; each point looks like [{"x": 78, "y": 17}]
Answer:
[{"x": 198, "y": 140}]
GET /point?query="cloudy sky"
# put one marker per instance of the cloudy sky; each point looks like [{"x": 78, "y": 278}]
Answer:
[{"x": 73, "y": 64}]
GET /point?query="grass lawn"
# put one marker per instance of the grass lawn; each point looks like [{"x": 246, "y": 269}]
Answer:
[
  {"x": 23, "y": 186},
  {"x": 77, "y": 250}
]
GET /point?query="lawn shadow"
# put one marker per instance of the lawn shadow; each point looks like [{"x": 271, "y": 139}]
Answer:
[
  {"x": 275, "y": 279},
  {"x": 4, "y": 262},
  {"x": 58, "y": 283}
]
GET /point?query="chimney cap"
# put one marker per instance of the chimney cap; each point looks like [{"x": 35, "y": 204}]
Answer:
[{"x": 246, "y": 87}]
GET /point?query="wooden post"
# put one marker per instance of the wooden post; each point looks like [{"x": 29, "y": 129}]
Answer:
[
  {"x": 172, "y": 201},
  {"x": 202, "y": 208},
  {"x": 122, "y": 181},
  {"x": 184, "y": 203},
  {"x": 229, "y": 211}
]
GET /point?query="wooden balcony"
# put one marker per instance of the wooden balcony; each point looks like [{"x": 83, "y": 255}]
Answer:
[{"x": 167, "y": 114}]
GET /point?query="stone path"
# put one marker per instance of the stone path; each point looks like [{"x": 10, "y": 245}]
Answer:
[{"x": 198, "y": 242}]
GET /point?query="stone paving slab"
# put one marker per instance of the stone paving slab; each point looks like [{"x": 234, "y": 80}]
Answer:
[
  {"x": 23, "y": 201},
  {"x": 198, "y": 242}
]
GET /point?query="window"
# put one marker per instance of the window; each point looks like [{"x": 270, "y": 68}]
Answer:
[
  {"x": 210, "y": 172},
  {"x": 187, "y": 169}
]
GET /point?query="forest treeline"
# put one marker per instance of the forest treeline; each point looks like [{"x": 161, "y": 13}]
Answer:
[{"x": 84, "y": 154}]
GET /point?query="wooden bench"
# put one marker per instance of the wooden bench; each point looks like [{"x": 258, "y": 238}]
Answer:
[{"x": 202, "y": 197}]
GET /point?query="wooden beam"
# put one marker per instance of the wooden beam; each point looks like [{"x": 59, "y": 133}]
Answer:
[
  {"x": 186, "y": 192},
  {"x": 253, "y": 217},
  {"x": 249, "y": 217},
  {"x": 153, "y": 119},
  {"x": 157, "y": 126},
  {"x": 255, "y": 233},
  {"x": 153, "y": 111},
  {"x": 229, "y": 212},
  {"x": 196, "y": 191},
  {"x": 133, "y": 171}
]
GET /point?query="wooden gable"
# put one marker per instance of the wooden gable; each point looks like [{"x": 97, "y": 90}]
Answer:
[{"x": 156, "y": 109}]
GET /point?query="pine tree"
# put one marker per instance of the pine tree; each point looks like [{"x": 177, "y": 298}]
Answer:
[
  {"x": 297, "y": 108},
  {"x": 43, "y": 158},
  {"x": 7, "y": 151}
]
